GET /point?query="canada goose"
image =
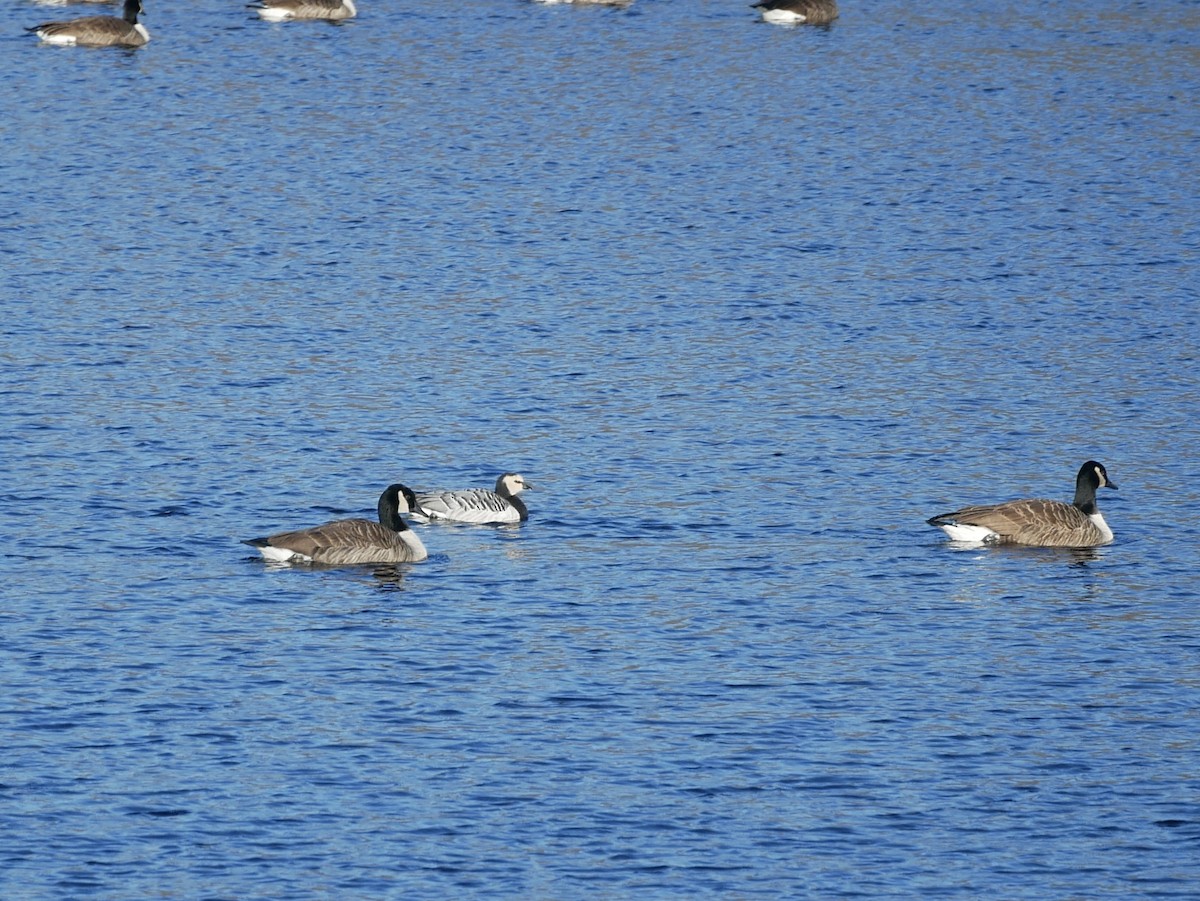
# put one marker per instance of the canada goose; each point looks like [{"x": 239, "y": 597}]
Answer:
[
  {"x": 1037, "y": 522},
  {"x": 476, "y": 505},
  {"x": 98, "y": 31},
  {"x": 349, "y": 541},
  {"x": 797, "y": 12},
  {"x": 278, "y": 10}
]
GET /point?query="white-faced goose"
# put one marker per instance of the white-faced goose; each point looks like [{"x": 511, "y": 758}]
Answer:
[
  {"x": 98, "y": 31},
  {"x": 346, "y": 542},
  {"x": 798, "y": 12},
  {"x": 476, "y": 505},
  {"x": 278, "y": 10},
  {"x": 1036, "y": 522}
]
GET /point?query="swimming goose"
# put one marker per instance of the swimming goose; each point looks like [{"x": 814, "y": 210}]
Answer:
[
  {"x": 797, "y": 12},
  {"x": 278, "y": 10},
  {"x": 476, "y": 505},
  {"x": 98, "y": 31},
  {"x": 1037, "y": 522},
  {"x": 349, "y": 541}
]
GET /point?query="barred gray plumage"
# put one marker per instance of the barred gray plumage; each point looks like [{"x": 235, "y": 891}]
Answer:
[{"x": 476, "y": 505}]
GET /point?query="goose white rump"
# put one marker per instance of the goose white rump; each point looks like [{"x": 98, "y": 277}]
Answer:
[{"x": 798, "y": 12}]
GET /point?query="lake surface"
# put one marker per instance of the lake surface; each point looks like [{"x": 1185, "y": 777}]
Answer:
[{"x": 747, "y": 304}]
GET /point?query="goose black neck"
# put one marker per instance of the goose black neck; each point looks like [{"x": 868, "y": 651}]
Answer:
[
  {"x": 1085, "y": 492},
  {"x": 389, "y": 510},
  {"x": 520, "y": 506},
  {"x": 132, "y": 8}
]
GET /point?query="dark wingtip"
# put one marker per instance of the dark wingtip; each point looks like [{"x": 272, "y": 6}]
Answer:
[{"x": 256, "y": 542}]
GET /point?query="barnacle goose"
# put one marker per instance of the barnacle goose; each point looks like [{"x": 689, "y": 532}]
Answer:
[{"x": 476, "y": 505}]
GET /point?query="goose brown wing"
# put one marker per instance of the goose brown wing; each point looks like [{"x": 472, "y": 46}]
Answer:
[
  {"x": 1037, "y": 521},
  {"x": 310, "y": 9},
  {"x": 318, "y": 541},
  {"x": 817, "y": 12},
  {"x": 90, "y": 29}
]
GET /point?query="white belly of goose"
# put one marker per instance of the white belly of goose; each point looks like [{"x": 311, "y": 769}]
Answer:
[
  {"x": 283, "y": 555},
  {"x": 783, "y": 17},
  {"x": 1099, "y": 523},
  {"x": 973, "y": 534},
  {"x": 280, "y": 10},
  {"x": 58, "y": 40}
]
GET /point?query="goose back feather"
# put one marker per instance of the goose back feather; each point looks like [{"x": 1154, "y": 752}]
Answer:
[
  {"x": 278, "y": 10},
  {"x": 346, "y": 542},
  {"x": 98, "y": 31},
  {"x": 1036, "y": 521}
]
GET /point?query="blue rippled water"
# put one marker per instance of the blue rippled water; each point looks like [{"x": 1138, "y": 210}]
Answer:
[{"x": 747, "y": 304}]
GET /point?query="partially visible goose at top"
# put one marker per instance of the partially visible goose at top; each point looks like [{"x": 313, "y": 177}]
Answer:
[
  {"x": 345, "y": 542},
  {"x": 98, "y": 31},
  {"x": 476, "y": 505},
  {"x": 588, "y": 2},
  {"x": 278, "y": 10},
  {"x": 798, "y": 12},
  {"x": 1037, "y": 522}
]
